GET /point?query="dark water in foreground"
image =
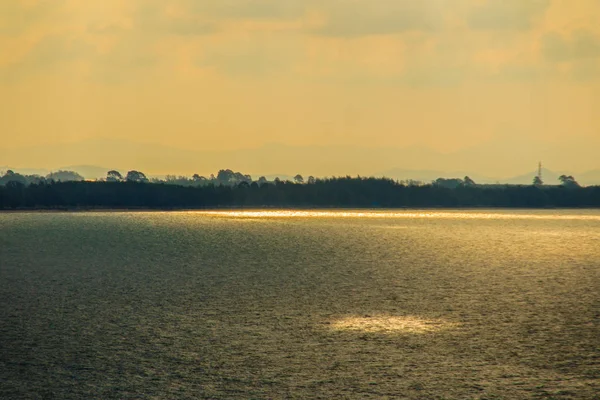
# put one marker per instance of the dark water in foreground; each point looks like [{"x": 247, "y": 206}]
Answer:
[{"x": 457, "y": 304}]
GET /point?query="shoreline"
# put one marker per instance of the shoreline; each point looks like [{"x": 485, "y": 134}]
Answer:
[{"x": 284, "y": 208}]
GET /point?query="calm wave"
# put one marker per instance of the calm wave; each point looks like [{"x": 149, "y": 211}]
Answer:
[{"x": 280, "y": 304}]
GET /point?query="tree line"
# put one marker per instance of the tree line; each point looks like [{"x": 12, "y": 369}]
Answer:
[
  {"x": 223, "y": 177},
  {"x": 346, "y": 192},
  {"x": 226, "y": 177},
  {"x": 58, "y": 176}
]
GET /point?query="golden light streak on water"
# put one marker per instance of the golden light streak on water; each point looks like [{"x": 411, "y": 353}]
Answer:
[
  {"x": 392, "y": 324},
  {"x": 399, "y": 215}
]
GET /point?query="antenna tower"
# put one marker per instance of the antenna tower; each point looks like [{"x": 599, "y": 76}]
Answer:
[{"x": 540, "y": 170}]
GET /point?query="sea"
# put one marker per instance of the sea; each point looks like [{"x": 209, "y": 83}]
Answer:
[{"x": 277, "y": 304}]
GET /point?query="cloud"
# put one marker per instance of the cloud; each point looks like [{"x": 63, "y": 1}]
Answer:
[
  {"x": 256, "y": 57},
  {"x": 435, "y": 76},
  {"x": 580, "y": 45},
  {"x": 586, "y": 70},
  {"x": 52, "y": 53},
  {"x": 71, "y": 56},
  {"x": 249, "y": 9},
  {"x": 579, "y": 51},
  {"x": 183, "y": 27},
  {"x": 381, "y": 17},
  {"x": 518, "y": 73},
  {"x": 506, "y": 14},
  {"x": 106, "y": 29},
  {"x": 55, "y": 49},
  {"x": 409, "y": 42},
  {"x": 16, "y": 17},
  {"x": 129, "y": 60},
  {"x": 109, "y": 44},
  {"x": 155, "y": 19}
]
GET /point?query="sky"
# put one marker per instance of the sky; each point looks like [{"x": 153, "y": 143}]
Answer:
[{"x": 492, "y": 85}]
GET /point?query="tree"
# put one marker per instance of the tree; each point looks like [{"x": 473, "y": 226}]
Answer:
[
  {"x": 225, "y": 176},
  {"x": 64, "y": 176},
  {"x": 136, "y": 176},
  {"x": 11, "y": 176},
  {"x": 568, "y": 181},
  {"x": 451, "y": 183},
  {"x": 15, "y": 185},
  {"x": 198, "y": 178},
  {"x": 114, "y": 176},
  {"x": 298, "y": 179},
  {"x": 239, "y": 177},
  {"x": 468, "y": 181},
  {"x": 262, "y": 180},
  {"x": 311, "y": 180},
  {"x": 537, "y": 181},
  {"x": 335, "y": 192}
]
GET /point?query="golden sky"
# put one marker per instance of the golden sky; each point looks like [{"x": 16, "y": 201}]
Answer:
[{"x": 216, "y": 75}]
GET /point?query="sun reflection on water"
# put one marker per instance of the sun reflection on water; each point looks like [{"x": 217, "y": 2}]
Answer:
[
  {"x": 391, "y": 324},
  {"x": 400, "y": 214}
]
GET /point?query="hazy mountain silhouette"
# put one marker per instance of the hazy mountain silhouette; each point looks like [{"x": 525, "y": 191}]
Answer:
[
  {"x": 490, "y": 162},
  {"x": 88, "y": 171},
  {"x": 588, "y": 177},
  {"x": 26, "y": 171},
  {"x": 426, "y": 176},
  {"x": 431, "y": 175},
  {"x": 549, "y": 177},
  {"x": 158, "y": 159},
  {"x": 513, "y": 153}
]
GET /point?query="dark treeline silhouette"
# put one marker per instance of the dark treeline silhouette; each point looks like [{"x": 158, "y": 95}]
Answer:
[
  {"x": 58, "y": 176},
  {"x": 136, "y": 191}
]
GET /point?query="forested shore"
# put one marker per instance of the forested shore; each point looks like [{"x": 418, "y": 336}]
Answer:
[{"x": 345, "y": 192}]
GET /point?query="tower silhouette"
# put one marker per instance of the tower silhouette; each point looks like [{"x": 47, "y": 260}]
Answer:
[{"x": 537, "y": 180}]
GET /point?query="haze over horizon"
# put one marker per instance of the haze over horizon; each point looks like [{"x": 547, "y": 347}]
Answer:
[{"x": 322, "y": 88}]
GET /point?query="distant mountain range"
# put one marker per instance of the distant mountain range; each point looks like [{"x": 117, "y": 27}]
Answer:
[
  {"x": 93, "y": 158},
  {"x": 549, "y": 177},
  {"x": 87, "y": 171},
  {"x": 589, "y": 177}
]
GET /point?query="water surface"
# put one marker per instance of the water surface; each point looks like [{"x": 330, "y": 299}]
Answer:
[{"x": 297, "y": 304}]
